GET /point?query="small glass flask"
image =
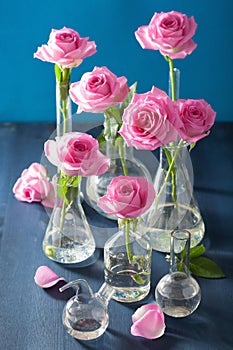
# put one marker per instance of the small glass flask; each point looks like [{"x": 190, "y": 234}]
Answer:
[
  {"x": 127, "y": 263},
  {"x": 68, "y": 238},
  {"x": 85, "y": 316},
  {"x": 177, "y": 293}
]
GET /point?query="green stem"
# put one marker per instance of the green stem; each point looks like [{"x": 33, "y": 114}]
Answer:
[
  {"x": 172, "y": 77},
  {"x": 173, "y": 97},
  {"x": 63, "y": 213},
  {"x": 110, "y": 133},
  {"x": 173, "y": 175},
  {"x": 169, "y": 172},
  {"x": 122, "y": 157},
  {"x": 127, "y": 239},
  {"x": 67, "y": 192},
  {"x": 64, "y": 84}
]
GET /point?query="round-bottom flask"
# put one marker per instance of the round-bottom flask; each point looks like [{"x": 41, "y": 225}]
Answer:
[{"x": 177, "y": 293}]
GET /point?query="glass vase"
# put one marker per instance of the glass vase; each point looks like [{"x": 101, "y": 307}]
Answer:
[
  {"x": 63, "y": 102},
  {"x": 68, "y": 238},
  {"x": 175, "y": 206},
  {"x": 127, "y": 263},
  {"x": 122, "y": 162},
  {"x": 177, "y": 293}
]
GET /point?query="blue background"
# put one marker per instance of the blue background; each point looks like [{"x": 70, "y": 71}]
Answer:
[{"x": 28, "y": 84}]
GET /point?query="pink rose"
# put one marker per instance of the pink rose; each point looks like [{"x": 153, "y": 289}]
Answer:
[
  {"x": 66, "y": 48},
  {"x": 127, "y": 197},
  {"x": 76, "y": 154},
  {"x": 148, "y": 322},
  {"x": 150, "y": 120},
  {"x": 197, "y": 117},
  {"x": 33, "y": 186},
  {"x": 170, "y": 33},
  {"x": 98, "y": 90}
]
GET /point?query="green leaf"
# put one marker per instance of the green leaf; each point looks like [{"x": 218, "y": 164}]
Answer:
[
  {"x": 197, "y": 251},
  {"x": 128, "y": 98},
  {"x": 191, "y": 146},
  {"x": 138, "y": 279},
  {"x": 111, "y": 127},
  {"x": 205, "y": 267},
  {"x": 58, "y": 73},
  {"x": 115, "y": 113},
  {"x": 50, "y": 251},
  {"x": 101, "y": 141}
]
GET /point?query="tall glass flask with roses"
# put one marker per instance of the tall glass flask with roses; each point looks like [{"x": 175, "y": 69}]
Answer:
[
  {"x": 127, "y": 263},
  {"x": 68, "y": 238},
  {"x": 175, "y": 206}
]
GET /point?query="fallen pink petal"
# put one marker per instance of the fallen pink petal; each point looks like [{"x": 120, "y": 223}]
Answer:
[
  {"x": 46, "y": 278},
  {"x": 148, "y": 322}
]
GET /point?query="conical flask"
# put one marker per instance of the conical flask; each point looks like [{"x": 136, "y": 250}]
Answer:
[
  {"x": 68, "y": 238},
  {"x": 175, "y": 206}
]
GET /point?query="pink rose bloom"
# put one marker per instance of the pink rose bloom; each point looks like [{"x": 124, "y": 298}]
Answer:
[
  {"x": 66, "y": 48},
  {"x": 33, "y": 186},
  {"x": 98, "y": 90},
  {"x": 127, "y": 197},
  {"x": 148, "y": 322},
  {"x": 170, "y": 33},
  {"x": 150, "y": 120},
  {"x": 76, "y": 154},
  {"x": 197, "y": 117}
]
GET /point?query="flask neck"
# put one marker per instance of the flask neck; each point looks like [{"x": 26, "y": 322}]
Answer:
[
  {"x": 128, "y": 224},
  {"x": 63, "y": 107},
  {"x": 180, "y": 251},
  {"x": 117, "y": 149},
  {"x": 105, "y": 293}
]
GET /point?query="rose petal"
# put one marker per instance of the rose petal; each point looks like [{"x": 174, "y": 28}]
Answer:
[
  {"x": 148, "y": 322},
  {"x": 46, "y": 278}
]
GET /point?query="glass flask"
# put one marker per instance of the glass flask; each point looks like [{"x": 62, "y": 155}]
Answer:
[
  {"x": 85, "y": 316},
  {"x": 175, "y": 206},
  {"x": 127, "y": 263},
  {"x": 122, "y": 162},
  {"x": 68, "y": 238},
  {"x": 177, "y": 293}
]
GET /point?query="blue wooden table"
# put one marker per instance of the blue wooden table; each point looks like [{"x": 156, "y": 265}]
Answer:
[{"x": 30, "y": 317}]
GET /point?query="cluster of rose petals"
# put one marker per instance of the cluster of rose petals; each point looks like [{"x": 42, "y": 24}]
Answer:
[
  {"x": 98, "y": 90},
  {"x": 34, "y": 186},
  {"x": 150, "y": 120},
  {"x": 169, "y": 32},
  {"x": 197, "y": 117},
  {"x": 76, "y": 154},
  {"x": 127, "y": 197},
  {"x": 148, "y": 322},
  {"x": 66, "y": 48},
  {"x": 46, "y": 278}
]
